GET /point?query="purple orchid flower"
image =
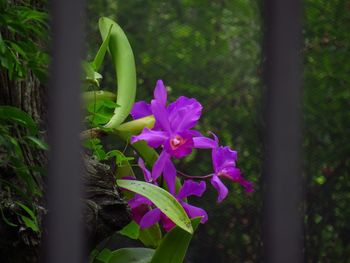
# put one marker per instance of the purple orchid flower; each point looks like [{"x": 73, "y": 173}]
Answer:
[
  {"x": 174, "y": 122},
  {"x": 224, "y": 163},
  {"x": 172, "y": 130},
  {"x": 146, "y": 218}
]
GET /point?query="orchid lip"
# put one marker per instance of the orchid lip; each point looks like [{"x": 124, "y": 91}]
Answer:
[{"x": 176, "y": 142}]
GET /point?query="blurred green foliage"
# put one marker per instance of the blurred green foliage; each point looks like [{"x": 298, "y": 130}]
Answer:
[
  {"x": 23, "y": 37},
  {"x": 327, "y": 129},
  {"x": 211, "y": 50}
]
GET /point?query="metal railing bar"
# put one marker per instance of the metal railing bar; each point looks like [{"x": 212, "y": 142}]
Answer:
[
  {"x": 64, "y": 241},
  {"x": 282, "y": 231}
]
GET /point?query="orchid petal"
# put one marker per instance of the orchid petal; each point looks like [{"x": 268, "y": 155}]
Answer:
[
  {"x": 138, "y": 212},
  {"x": 150, "y": 218},
  {"x": 141, "y": 109},
  {"x": 223, "y": 157},
  {"x": 153, "y": 138},
  {"x": 194, "y": 211},
  {"x": 138, "y": 200},
  {"x": 169, "y": 175},
  {"x": 158, "y": 166},
  {"x": 191, "y": 188},
  {"x": 146, "y": 173},
  {"x": 232, "y": 173},
  {"x": 249, "y": 186},
  {"x": 195, "y": 133},
  {"x": 160, "y": 93},
  {"x": 184, "y": 113},
  {"x": 204, "y": 143},
  {"x": 216, "y": 139},
  {"x": 161, "y": 115},
  {"x": 220, "y": 187},
  {"x": 167, "y": 223}
]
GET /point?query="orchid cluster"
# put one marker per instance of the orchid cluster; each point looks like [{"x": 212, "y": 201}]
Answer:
[{"x": 174, "y": 135}]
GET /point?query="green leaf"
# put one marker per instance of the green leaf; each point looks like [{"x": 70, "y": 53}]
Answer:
[
  {"x": 5, "y": 219},
  {"x": 161, "y": 199},
  {"x": 101, "y": 111},
  {"x": 95, "y": 107},
  {"x": 131, "y": 255},
  {"x": 131, "y": 230},
  {"x": 90, "y": 97},
  {"x": 91, "y": 75},
  {"x": 101, "y": 256},
  {"x": 38, "y": 142},
  {"x": 124, "y": 167},
  {"x": 102, "y": 51},
  {"x": 110, "y": 104},
  {"x": 92, "y": 143},
  {"x": 99, "y": 118},
  {"x": 174, "y": 245},
  {"x": 151, "y": 236},
  {"x": 124, "y": 62},
  {"x": 28, "y": 210},
  {"x": 30, "y": 223},
  {"x": 20, "y": 117}
]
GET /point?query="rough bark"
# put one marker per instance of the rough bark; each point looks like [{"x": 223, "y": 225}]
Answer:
[{"x": 105, "y": 211}]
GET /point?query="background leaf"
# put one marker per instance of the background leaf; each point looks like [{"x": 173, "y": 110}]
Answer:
[
  {"x": 20, "y": 117},
  {"x": 38, "y": 142}
]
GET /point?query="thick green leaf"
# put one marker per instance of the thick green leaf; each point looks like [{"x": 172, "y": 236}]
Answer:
[
  {"x": 20, "y": 117},
  {"x": 151, "y": 236},
  {"x": 102, "y": 51},
  {"x": 131, "y": 255},
  {"x": 174, "y": 245},
  {"x": 148, "y": 154},
  {"x": 161, "y": 199},
  {"x": 131, "y": 230},
  {"x": 124, "y": 62},
  {"x": 136, "y": 126},
  {"x": 102, "y": 256}
]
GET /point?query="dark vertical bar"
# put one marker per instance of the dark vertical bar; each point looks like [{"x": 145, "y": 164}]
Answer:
[
  {"x": 282, "y": 174},
  {"x": 64, "y": 238}
]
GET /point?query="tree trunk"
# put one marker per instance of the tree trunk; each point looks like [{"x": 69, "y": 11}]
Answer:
[{"x": 105, "y": 211}]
